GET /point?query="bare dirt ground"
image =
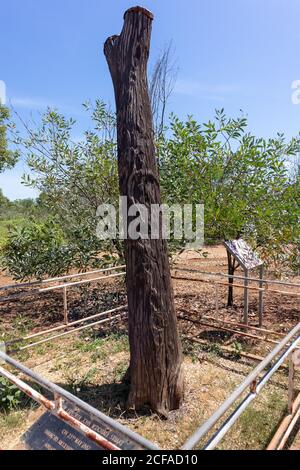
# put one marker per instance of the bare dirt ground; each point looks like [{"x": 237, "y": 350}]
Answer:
[{"x": 91, "y": 364}]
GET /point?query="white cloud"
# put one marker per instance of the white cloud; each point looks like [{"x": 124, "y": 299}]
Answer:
[
  {"x": 40, "y": 104},
  {"x": 215, "y": 92},
  {"x": 2, "y": 92},
  {"x": 30, "y": 103}
]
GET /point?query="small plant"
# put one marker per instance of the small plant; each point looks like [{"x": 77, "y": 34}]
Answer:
[
  {"x": 214, "y": 348},
  {"x": 77, "y": 382},
  {"x": 120, "y": 371},
  {"x": 238, "y": 348},
  {"x": 192, "y": 350},
  {"x": 10, "y": 395}
]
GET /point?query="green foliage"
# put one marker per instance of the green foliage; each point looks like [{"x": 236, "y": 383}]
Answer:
[
  {"x": 74, "y": 178},
  {"x": 10, "y": 395},
  {"x": 36, "y": 250},
  {"x": 8, "y": 158},
  {"x": 244, "y": 183}
]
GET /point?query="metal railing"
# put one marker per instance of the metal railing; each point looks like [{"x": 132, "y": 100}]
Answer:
[
  {"x": 69, "y": 332},
  {"x": 72, "y": 327},
  {"x": 263, "y": 287},
  {"x": 63, "y": 287},
  {"x": 242, "y": 278},
  {"x": 255, "y": 381},
  {"x": 252, "y": 381},
  {"x": 56, "y": 407}
]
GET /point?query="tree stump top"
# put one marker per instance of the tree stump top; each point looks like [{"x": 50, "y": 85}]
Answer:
[{"x": 139, "y": 9}]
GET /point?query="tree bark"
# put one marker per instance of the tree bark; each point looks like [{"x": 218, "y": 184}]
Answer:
[{"x": 156, "y": 378}]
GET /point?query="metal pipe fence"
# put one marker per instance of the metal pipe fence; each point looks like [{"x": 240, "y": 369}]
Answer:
[
  {"x": 56, "y": 406},
  {"x": 29, "y": 293},
  {"x": 254, "y": 382},
  {"x": 55, "y": 279},
  {"x": 242, "y": 278}
]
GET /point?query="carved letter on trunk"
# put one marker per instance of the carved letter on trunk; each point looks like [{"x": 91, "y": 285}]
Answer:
[{"x": 155, "y": 371}]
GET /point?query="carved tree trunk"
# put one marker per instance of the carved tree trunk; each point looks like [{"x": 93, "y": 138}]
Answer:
[{"x": 155, "y": 371}]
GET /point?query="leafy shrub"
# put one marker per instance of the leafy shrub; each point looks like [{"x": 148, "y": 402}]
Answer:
[
  {"x": 243, "y": 181},
  {"x": 39, "y": 250},
  {"x": 10, "y": 395},
  {"x": 36, "y": 250}
]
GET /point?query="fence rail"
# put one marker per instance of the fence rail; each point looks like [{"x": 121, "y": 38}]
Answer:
[
  {"x": 56, "y": 406},
  {"x": 242, "y": 278},
  {"x": 56, "y": 279},
  {"x": 255, "y": 381},
  {"x": 252, "y": 381}
]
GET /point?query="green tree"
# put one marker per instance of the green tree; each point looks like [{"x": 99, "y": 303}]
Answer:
[
  {"x": 73, "y": 178},
  {"x": 4, "y": 201},
  {"x": 243, "y": 181},
  {"x": 8, "y": 158}
]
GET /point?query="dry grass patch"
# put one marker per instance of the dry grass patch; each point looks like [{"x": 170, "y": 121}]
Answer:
[{"x": 92, "y": 366}]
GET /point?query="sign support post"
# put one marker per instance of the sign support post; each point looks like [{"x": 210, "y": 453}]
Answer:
[
  {"x": 248, "y": 260},
  {"x": 261, "y": 295},
  {"x": 246, "y": 297}
]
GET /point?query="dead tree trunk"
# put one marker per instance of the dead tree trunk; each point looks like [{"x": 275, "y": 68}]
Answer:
[{"x": 156, "y": 378}]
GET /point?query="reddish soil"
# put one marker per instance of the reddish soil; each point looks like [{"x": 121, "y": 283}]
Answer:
[
  {"x": 195, "y": 300},
  {"x": 44, "y": 310}
]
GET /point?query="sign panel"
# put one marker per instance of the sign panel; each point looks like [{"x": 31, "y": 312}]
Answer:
[
  {"x": 243, "y": 253},
  {"x": 51, "y": 433}
]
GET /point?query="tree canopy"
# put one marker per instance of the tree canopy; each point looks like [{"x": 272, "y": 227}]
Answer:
[
  {"x": 244, "y": 181},
  {"x": 8, "y": 157}
]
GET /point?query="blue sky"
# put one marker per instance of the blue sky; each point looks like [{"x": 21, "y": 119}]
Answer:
[{"x": 236, "y": 54}]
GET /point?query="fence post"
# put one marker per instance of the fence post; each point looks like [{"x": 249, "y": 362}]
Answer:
[
  {"x": 246, "y": 297},
  {"x": 291, "y": 383},
  {"x": 216, "y": 298},
  {"x": 261, "y": 295},
  {"x": 65, "y": 306}
]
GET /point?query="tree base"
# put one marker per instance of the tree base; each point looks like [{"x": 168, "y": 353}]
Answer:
[{"x": 171, "y": 396}]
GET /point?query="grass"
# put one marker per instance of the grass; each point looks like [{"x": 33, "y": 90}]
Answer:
[
  {"x": 92, "y": 367},
  {"x": 259, "y": 421},
  {"x": 10, "y": 421}
]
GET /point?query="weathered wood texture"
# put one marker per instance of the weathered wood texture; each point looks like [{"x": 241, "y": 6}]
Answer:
[{"x": 156, "y": 377}]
